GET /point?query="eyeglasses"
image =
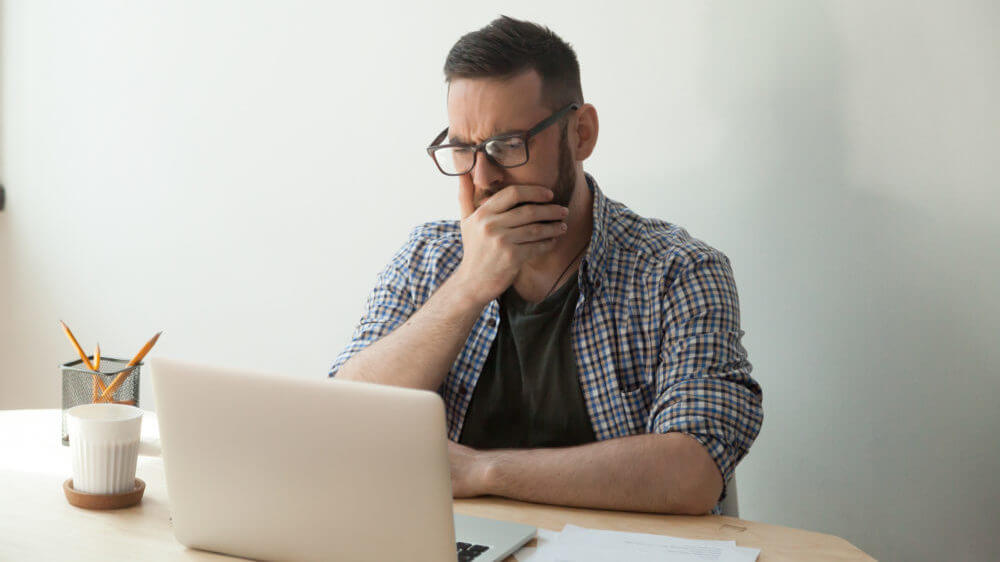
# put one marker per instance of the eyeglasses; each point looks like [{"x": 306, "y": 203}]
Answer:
[{"x": 507, "y": 151}]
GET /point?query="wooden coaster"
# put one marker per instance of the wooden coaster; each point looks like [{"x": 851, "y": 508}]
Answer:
[{"x": 104, "y": 501}]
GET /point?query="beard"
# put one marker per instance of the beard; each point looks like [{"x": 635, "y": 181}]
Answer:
[{"x": 566, "y": 180}]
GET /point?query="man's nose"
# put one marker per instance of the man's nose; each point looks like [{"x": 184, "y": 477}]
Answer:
[{"x": 486, "y": 176}]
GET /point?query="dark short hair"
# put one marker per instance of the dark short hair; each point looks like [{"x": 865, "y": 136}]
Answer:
[{"x": 507, "y": 47}]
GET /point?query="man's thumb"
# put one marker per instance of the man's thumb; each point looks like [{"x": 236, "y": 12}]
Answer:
[{"x": 465, "y": 205}]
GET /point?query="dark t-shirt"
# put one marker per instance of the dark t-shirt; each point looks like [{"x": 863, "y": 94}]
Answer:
[{"x": 528, "y": 394}]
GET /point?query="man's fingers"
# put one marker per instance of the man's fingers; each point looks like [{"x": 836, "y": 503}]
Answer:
[
  {"x": 465, "y": 203},
  {"x": 536, "y": 232},
  {"x": 512, "y": 195},
  {"x": 530, "y": 213}
]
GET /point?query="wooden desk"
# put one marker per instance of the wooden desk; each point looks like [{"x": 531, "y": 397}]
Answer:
[{"x": 36, "y": 522}]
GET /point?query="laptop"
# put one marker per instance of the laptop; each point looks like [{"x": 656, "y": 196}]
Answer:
[{"x": 276, "y": 467}]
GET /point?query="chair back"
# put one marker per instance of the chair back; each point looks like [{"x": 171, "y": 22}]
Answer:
[{"x": 731, "y": 505}]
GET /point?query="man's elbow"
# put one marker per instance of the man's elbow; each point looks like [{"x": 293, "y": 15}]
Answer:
[
  {"x": 696, "y": 494},
  {"x": 699, "y": 485},
  {"x": 699, "y": 499}
]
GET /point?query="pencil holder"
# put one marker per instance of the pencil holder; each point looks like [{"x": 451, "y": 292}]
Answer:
[{"x": 114, "y": 384}]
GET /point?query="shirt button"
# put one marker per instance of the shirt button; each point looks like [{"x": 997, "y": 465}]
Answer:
[
  {"x": 492, "y": 322},
  {"x": 461, "y": 390}
]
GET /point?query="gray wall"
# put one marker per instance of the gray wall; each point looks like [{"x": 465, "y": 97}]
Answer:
[{"x": 195, "y": 167}]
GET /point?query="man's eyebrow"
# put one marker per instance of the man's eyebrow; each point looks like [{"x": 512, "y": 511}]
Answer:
[{"x": 494, "y": 133}]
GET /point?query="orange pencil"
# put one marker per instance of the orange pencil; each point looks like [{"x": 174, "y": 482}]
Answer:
[
  {"x": 128, "y": 368},
  {"x": 94, "y": 391},
  {"x": 98, "y": 384},
  {"x": 69, "y": 334}
]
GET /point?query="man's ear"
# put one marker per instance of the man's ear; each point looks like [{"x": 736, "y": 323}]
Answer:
[{"x": 586, "y": 131}]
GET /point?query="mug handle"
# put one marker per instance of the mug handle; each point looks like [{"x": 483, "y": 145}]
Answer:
[
  {"x": 149, "y": 447},
  {"x": 149, "y": 441}
]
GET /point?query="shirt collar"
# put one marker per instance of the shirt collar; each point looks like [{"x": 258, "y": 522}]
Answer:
[{"x": 593, "y": 261}]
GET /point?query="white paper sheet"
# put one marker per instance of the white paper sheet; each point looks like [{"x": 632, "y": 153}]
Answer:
[
  {"x": 543, "y": 541},
  {"x": 578, "y": 544}
]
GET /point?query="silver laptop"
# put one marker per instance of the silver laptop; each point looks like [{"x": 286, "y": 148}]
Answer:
[{"x": 277, "y": 467}]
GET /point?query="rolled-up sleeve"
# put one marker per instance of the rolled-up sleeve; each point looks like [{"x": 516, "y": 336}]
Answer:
[
  {"x": 389, "y": 304},
  {"x": 703, "y": 382}
]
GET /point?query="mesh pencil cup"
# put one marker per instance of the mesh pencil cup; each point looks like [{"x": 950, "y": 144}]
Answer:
[{"x": 80, "y": 385}]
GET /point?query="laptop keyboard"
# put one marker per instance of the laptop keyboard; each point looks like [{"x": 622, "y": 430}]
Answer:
[{"x": 468, "y": 551}]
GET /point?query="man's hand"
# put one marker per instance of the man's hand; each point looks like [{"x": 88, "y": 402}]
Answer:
[
  {"x": 506, "y": 231},
  {"x": 468, "y": 470},
  {"x": 503, "y": 233}
]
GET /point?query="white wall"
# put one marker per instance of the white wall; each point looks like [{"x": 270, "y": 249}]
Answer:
[{"x": 236, "y": 173}]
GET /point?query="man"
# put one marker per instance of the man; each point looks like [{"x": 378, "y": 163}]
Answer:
[{"x": 586, "y": 356}]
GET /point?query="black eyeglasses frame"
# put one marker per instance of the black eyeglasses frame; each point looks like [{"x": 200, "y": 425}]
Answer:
[{"x": 481, "y": 147}]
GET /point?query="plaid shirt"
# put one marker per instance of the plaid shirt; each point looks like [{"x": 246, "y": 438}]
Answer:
[{"x": 656, "y": 332}]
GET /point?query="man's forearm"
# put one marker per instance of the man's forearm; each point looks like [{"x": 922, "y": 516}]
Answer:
[
  {"x": 662, "y": 473},
  {"x": 418, "y": 353}
]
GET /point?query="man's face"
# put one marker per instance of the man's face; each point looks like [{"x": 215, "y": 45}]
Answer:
[{"x": 480, "y": 108}]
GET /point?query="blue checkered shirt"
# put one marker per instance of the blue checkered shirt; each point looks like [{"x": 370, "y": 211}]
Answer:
[{"x": 656, "y": 332}]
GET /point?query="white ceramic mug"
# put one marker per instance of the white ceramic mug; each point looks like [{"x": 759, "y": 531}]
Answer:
[{"x": 104, "y": 445}]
